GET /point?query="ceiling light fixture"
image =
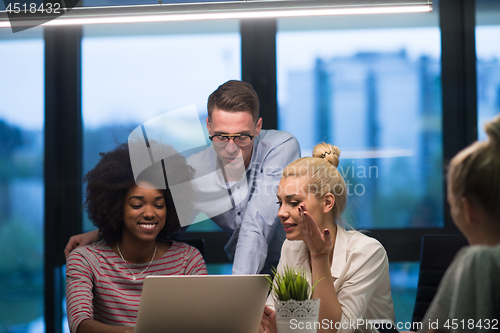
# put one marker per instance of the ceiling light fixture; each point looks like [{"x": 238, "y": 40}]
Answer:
[{"x": 219, "y": 10}]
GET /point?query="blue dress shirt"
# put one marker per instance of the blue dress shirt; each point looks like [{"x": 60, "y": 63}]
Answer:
[{"x": 250, "y": 217}]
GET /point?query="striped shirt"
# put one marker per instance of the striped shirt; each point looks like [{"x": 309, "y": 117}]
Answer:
[{"x": 100, "y": 287}]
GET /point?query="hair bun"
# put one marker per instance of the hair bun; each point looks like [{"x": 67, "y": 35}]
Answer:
[
  {"x": 328, "y": 152},
  {"x": 492, "y": 128}
]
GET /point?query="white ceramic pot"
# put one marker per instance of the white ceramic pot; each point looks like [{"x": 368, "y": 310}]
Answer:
[{"x": 297, "y": 316}]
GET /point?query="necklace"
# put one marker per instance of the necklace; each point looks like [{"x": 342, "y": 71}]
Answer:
[{"x": 133, "y": 275}]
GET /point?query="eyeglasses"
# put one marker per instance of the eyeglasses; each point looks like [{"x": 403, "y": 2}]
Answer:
[{"x": 240, "y": 139}]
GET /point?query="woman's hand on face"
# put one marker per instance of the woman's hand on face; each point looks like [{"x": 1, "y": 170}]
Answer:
[
  {"x": 317, "y": 242},
  {"x": 268, "y": 323}
]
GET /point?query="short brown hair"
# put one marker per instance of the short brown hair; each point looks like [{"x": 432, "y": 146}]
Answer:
[{"x": 234, "y": 96}]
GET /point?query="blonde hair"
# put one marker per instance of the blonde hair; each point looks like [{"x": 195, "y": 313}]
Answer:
[
  {"x": 321, "y": 171},
  {"x": 474, "y": 172}
]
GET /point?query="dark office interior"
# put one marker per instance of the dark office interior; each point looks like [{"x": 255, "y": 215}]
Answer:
[{"x": 400, "y": 94}]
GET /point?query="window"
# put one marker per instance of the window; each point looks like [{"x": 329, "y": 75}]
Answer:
[
  {"x": 404, "y": 280},
  {"x": 21, "y": 181},
  {"x": 371, "y": 85},
  {"x": 376, "y": 93},
  {"x": 488, "y": 63},
  {"x": 134, "y": 73}
]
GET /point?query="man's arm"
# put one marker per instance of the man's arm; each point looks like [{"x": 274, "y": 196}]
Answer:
[
  {"x": 260, "y": 217},
  {"x": 81, "y": 240}
]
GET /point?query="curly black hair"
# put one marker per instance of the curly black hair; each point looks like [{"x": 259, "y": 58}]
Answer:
[{"x": 109, "y": 181}]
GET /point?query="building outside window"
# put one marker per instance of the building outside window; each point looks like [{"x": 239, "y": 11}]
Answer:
[
  {"x": 372, "y": 86},
  {"x": 488, "y": 62},
  {"x": 134, "y": 73}
]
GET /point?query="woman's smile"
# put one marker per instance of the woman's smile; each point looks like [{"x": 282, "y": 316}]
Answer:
[
  {"x": 289, "y": 227},
  {"x": 144, "y": 213},
  {"x": 148, "y": 226}
]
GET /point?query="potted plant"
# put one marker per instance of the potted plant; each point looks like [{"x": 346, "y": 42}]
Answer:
[{"x": 295, "y": 310}]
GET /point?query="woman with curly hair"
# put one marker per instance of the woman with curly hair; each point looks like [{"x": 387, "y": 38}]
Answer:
[{"x": 104, "y": 279}]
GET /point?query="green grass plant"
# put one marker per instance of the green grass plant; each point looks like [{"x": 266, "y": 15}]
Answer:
[{"x": 291, "y": 284}]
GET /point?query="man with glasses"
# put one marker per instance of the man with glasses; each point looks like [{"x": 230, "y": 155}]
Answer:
[
  {"x": 242, "y": 148},
  {"x": 251, "y": 161}
]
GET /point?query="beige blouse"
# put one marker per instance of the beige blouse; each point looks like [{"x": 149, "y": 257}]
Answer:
[{"x": 360, "y": 270}]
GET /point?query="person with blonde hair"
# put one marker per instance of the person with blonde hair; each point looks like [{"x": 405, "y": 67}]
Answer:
[
  {"x": 352, "y": 268},
  {"x": 468, "y": 297}
]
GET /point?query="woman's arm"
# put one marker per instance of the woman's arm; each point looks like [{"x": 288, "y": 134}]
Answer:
[
  {"x": 195, "y": 262},
  {"x": 366, "y": 271},
  {"x": 94, "y": 326},
  {"x": 320, "y": 246},
  {"x": 330, "y": 308},
  {"x": 80, "y": 283}
]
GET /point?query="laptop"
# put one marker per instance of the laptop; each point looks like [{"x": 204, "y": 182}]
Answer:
[{"x": 202, "y": 304}]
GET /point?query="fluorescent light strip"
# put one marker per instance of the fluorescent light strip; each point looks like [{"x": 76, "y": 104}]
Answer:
[{"x": 233, "y": 15}]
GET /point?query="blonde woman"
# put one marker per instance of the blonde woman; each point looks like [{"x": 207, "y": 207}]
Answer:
[
  {"x": 468, "y": 298},
  {"x": 352, "y": 269}
]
